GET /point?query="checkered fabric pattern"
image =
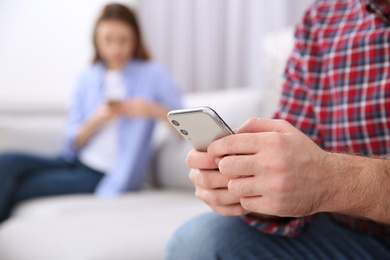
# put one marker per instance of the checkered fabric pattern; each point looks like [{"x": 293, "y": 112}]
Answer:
[{"x": 337, "y": 89}]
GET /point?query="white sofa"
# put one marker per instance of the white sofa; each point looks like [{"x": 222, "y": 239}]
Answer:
[{"x": 134, "y": 225}]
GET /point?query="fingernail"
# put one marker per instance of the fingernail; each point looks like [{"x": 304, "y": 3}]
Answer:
[{"x": 217, "y": 160}]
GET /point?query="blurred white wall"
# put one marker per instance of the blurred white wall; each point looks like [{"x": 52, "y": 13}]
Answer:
[{"x": 43, "y": 46}]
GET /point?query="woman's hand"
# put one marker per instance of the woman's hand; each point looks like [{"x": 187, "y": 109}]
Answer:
[
  {"x": 139, "y": 107},
  {"x": 105, "y": 113},
  {"x": 102, "y": 115}
]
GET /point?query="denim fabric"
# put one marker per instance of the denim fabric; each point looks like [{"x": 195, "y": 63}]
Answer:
[
  {"x": 212, "y": 236},
  {"x": 24, "y": 176}
]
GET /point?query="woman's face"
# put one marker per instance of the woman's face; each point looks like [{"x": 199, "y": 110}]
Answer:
[{"x": 115, "y": 42}]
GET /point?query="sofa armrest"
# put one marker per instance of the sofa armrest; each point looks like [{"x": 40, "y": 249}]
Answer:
[{"x": 31, "y": 132}]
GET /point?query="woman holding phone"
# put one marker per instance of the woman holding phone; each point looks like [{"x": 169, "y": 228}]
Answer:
[{"x": 113, "y": 110}]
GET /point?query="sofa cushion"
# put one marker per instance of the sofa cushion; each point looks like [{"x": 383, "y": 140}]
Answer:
[{"x": 82, "y": 227}]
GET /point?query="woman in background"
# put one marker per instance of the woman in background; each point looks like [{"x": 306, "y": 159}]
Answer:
[{"x": 112, "y": 115}]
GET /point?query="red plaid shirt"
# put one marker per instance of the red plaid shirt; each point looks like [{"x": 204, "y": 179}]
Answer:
[{"x": 337, "y": 89}]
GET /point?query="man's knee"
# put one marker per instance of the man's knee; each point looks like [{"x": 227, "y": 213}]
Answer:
[{"x": 203, "y": 237}]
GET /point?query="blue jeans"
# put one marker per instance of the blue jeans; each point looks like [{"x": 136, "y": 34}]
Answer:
[
  {"x": 212, "y": 236},
  {"x": 24, "y": 176}
]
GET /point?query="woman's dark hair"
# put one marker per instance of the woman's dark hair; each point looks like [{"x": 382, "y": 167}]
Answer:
[{"x": 126, "y": 15}]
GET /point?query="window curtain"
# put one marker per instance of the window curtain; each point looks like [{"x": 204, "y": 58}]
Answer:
[{"x": 214, "y": 44}]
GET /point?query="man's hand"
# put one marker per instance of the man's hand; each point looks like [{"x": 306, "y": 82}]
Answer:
[
  {"x": 269, "y": 167},
  {"x": 211, "y": 185},
  {"x": 284, "y": 171}
]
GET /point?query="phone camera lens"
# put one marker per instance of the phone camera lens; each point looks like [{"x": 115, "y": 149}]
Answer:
[
  {"x": 184, "y": 132},
  {"x": 175, "y": 123}
]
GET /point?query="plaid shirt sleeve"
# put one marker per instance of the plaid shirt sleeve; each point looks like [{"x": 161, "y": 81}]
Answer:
[
  {"x": 295, "y": 106},
  {"x": 288, "y": 227}
]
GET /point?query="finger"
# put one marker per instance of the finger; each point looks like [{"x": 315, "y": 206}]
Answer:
[
  {"x": 200, "y": 160},
  {"x": 247, "y": 143},
  {"x": 262, "y": 205},
  {"x": 216, "y": 197},
  {"x": 239, "y": 165},
  {"x": 230, "y": 210},
  {"x": 252, "y": 204},
  {"x": 210, "y": 179},
  {"x": 256, "y": 125},
  {"x": 246, "y": 187}
]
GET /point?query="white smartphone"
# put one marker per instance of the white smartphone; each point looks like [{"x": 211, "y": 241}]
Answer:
[{"x": 199, "y": 126}]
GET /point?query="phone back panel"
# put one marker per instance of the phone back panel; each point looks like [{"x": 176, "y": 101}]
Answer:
[{"x": 199, "y": 126}]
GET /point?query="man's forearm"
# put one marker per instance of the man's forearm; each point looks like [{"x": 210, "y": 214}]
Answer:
[{"x": 358, "y": 185}]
